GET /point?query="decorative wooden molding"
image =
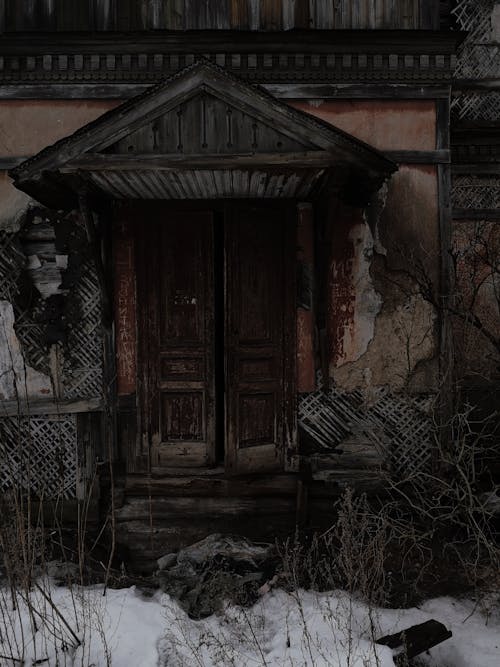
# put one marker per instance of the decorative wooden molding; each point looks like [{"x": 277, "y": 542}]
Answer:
[{"x": 411, "y": 58}]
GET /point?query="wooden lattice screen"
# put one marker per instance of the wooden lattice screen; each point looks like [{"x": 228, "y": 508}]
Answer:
[
  {"x": 83, "y": 363},
  {"x": 476, "y": 192},
  {"x": 479, "y": 58},
  {"x": 39, "y": 454},
  {"x": 398, "y": 426}
]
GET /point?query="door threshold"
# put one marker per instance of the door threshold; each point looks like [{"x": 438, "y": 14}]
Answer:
[{"x": 158, "y": 473}]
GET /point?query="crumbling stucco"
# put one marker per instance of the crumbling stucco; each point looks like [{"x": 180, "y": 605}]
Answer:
[
  {"x": 351, "y": 273},
  {"x": 383, "y": 332},
  {"x": 404, "y": 337},
  {"x": 14, "y": 204},
  {"x": 18, "y": 381}
]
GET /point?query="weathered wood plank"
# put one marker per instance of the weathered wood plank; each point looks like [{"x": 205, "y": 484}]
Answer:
[
  {"x": 473, "y": 214},
  {"x": 172, "y": 162},
  {"x": 173, "y": 15},
  {"x": 213, "y": 483},
  {"x": 72, "y": 15},
  {"x": 254, "y": 14},
  {"x": 325, "y": 91},
  {"x": 239, "y": 15},
  {"x": 125, "y": 306},
  {"x": 429, "y": 15},
  {"x": 415, "y": 640},
  {"x": 210, "y": 41},
  {"x": 108, "y": 15},
  {"x": 103, "y": 14},
  {"x": 477, "y": 168},
  {"x": 270, "y": 14},
  {"x": 442, "y": 156},
  {"x": 288, "y": 14},
  {"x": 218, "y": 14},
  {"x": 306, "y": 374},
  {"x": 46, "y": 19},
  {"x": 322, "y": 14},
  {"x": 302, "y": 14},
  {"x": 12, "y": 408},
  {"x": 90, "y": 449},
  {"x": 185, "y": 507}
]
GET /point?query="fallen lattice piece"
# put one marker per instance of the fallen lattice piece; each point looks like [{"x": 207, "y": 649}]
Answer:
[{"x": 409, "y": 643}]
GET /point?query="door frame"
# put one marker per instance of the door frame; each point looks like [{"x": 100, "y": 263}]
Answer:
[{"x": 145, "y": 319}]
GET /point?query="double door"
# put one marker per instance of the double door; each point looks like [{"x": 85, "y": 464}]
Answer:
[{"x": 216, "y": 301}]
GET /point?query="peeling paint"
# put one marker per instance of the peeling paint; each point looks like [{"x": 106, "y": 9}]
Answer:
[
  {"x": 404, "y": 338},
  {"x": 18, "y": 381},
  {"x": 366, "y": 301},
  {"x": 354, "y": 301}
]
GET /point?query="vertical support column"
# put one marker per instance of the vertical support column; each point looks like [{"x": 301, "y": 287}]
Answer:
[
  {"x": 446, "y": 357},
  {"x": 125, "y": 308},
  {"x": 306, "y": 377}
]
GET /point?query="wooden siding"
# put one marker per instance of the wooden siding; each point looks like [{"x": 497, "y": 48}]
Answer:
[{"x": 60, "y": 15}]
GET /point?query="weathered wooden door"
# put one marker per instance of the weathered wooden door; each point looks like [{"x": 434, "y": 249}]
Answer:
[
  {"x": 177, "y": 338},
  {"x": 259, "y": 290},
  {"x": 178, "y": 393}
]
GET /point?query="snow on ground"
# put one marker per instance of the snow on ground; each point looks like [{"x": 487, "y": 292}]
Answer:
[{"x": 125, "y": 628}]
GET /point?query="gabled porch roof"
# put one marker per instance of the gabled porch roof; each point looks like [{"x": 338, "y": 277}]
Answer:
[{"x": 202, "y": 134}]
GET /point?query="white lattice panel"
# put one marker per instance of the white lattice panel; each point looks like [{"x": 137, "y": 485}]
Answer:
[
  {"x": 397, "y": 424},
  {"x": 39, "y": 455}
]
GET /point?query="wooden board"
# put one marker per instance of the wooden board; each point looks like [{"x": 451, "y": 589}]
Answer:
[{"x": 267, "y": 15}]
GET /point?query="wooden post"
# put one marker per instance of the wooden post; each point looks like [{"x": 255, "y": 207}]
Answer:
[
  {"x": 125, "y": 307},
  {"x": 306, "y": 376}
]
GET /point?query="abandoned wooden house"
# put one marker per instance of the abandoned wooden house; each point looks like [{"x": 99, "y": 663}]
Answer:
[{"x": 215, "y": 221}]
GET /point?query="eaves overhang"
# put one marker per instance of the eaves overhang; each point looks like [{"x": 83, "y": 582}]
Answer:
[{"x": 202, "y": 134}]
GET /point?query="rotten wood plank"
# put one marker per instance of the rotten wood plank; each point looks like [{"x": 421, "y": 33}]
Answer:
[
  {"x": 415, "y": 640},
  {"x": 212, "y": 482},
  {"x": 12, "y": 408}
]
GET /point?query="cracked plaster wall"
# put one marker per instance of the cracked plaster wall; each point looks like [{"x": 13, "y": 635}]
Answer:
[{"x": 382, "y": 332}]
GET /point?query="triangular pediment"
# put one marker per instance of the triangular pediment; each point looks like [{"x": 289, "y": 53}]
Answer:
[
  {"x": 195, "y": 120},
  {"x": 207, "y": 123}
]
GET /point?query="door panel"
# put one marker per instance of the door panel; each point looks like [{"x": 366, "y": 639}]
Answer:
[
  {"x": 179, "y": 330},
  {"x": 255, "y": 338}
]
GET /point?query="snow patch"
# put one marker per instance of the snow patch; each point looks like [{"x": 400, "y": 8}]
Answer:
[{"x": 125, "y": 628}]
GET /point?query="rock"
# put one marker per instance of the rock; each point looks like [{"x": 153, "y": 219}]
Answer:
[{"x": 220, "y": 567}]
